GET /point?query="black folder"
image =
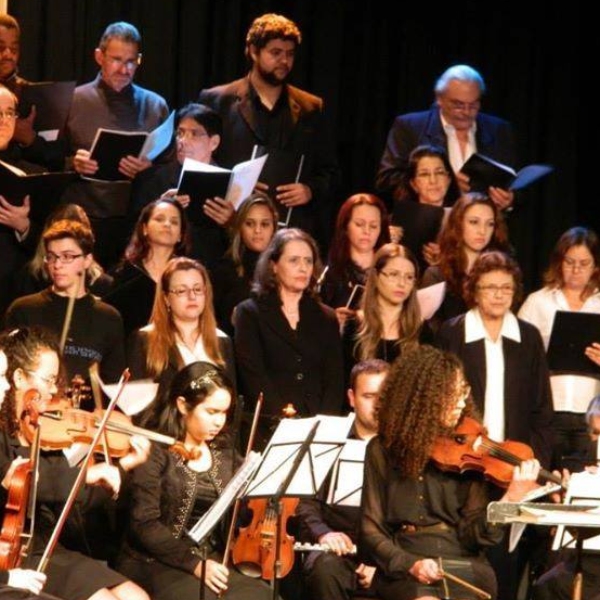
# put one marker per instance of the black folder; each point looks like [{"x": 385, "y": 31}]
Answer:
[{"x": 572, "y": 333}]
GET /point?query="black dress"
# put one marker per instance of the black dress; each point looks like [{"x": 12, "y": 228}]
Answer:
[
  {"x": 167, "y": 498},
  {"x": 71, "y": 575},
  {"x": 436, "y": 515}
]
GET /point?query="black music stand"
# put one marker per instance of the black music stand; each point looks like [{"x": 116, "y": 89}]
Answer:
[{"x": 295, "y": 464}]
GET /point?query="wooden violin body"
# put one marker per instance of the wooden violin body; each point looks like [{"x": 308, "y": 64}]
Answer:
[
  {"x": 254, "y": 551},
  {"x": 469, "y": 448}
]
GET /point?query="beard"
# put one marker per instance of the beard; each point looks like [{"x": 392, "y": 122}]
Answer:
[{"x": 271, "y": 78}]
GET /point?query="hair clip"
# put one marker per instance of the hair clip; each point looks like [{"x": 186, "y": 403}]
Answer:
[{"x": 206, "y": 379}]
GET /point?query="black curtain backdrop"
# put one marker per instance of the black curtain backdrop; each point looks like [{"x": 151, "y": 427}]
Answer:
[{"x": 368, "y": 64}]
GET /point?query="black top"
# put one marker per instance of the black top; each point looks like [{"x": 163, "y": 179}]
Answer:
[
  {"x": 390, "y": 501},
  {"x": 95, "y": 334},
  {"x": 301, "y": 366}
]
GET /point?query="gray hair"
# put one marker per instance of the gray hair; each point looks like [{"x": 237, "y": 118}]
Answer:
[{"x": 461, "y": 73}]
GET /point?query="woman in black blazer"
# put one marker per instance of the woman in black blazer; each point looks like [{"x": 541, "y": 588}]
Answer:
[
  {"x": 287, "y": 344},
  {"x": 521, "y": 410}
]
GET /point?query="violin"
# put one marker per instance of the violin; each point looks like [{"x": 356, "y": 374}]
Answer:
[
  {"x": 12, "y": 538},
  {"x": 469, "y": 448},
  {"x": 62, "y": 426},
  {"x": 254, "y": 550}
]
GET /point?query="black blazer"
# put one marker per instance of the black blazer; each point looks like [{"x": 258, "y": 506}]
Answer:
[
  {"x": 309, "y": 135},
  {"x": 302, "y": 366},
  {"x": 494, "y": 138},
  {"x": 527, "y": 396}
]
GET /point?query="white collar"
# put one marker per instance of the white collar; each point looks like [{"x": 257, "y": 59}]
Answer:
[
  {"x": 475, "y": 330},
  {"x": 450, "y": 128}
]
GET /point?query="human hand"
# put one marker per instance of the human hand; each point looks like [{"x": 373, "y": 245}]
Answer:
[
  {"x": 338, "y": 542},
  {"x": 261, "y": 187},
  {"x": 593, "y": 352},
  {"x": 104, "y": 475},
  {"x": 464, "y": 182},
  {"x": 432, "y": 253},
  {"x": 138, "y": 454},
  {"x": 26, "y": 579},
  {"x": 5, "y": 483},
  {"x": 501, "y": 198},
  {"x": 24, "y": 132},
  {"x": 426, "y": 571},
  {"x": 365, "y": 575},
  {"x": 396, "y": 234},
  {"x": 523, "y": 481},
  {"x": 15, "y": 217},
  {"x": 293, "y": 194},
  {"x": 219, "y": 210},
  {"x": 83, "y": 164},
  {"x": 130, "y": 166},
  {"x": 217, "y": 575},
  {"x": 344, "y": 313},
  {"x": 183, "y": 199}
]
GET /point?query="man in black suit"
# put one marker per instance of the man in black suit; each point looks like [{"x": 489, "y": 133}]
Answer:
[
  {"x": 455, "y": 123},
  {"x": 262, "y": 109}
]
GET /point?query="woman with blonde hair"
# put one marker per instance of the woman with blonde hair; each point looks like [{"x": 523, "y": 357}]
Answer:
[
  {"x": 389, "y": 319},
  {"x": 182, "y": 326}
]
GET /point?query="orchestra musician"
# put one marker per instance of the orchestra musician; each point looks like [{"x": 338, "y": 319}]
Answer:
[
  {"x": 170, "y": 494},
  {"x": 413, "y": 512},
  {"x": 33, "y": 363}
]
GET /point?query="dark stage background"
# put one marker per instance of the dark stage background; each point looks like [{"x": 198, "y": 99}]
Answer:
[{"x": 369, "y": 65}]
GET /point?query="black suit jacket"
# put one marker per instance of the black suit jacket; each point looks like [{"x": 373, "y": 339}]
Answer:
[
  {"x": 527, "y": 395},
  {"x": 302, "y": 366},
  {"x": 309, "y": 135},
  {"x": 494, "y": 138}
]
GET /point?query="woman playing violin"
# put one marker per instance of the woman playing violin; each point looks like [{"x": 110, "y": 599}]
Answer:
[
  {"x": 33, "y": 363},
  {"x": 413, "y": 513},
  {"x": 169, "y": 495}
]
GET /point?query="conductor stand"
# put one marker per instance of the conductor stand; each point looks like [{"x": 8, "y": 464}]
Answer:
[{"x": 294, "y": 464}]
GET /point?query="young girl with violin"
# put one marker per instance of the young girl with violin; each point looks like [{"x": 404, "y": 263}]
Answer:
[
  {"x": 170, "y": 494},
  {"x": 420, "y": 520},
  {"x": 33, "y": 363}
]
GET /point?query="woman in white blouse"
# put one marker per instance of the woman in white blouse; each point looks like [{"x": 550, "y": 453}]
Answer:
[
  {"x": 571, "y": 284},
  {"x": 182, "y": 327}
]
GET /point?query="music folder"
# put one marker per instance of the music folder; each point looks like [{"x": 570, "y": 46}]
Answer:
[{"x": 572, "y": 333}]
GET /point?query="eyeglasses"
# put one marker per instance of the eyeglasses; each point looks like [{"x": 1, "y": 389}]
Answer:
[
  {"x": 432, "y": 174},
  {"x": 458, "y": 106},
  {"x": 64, "y": 259},
  {"x": 129, "y": 64},
  {"x": 190, "y": 134},
  {"x": 49, "y": 380},
  {"x": 9, "y": 114},
  {"x": 186, "y": 291},
  {"x": 491, "y": 289},
  {"x": 582, "y": 265},
  {"x": 398, "y": 276}
]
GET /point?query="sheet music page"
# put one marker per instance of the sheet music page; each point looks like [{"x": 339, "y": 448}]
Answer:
[
  {"x": 430, "y": 299},
  {"x": 281, "y": 452},
  {"x": 159, "y": 139},
  {"x": 348, "y": 473},
  {"x": 243, "y": 180}
]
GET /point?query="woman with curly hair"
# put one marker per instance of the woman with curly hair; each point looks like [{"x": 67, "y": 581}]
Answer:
[
  {"x": 361, "y": 228},
  {"x": 412, "y": 511},
  {"x": 475, "y": 224},
  {"x": 160, "y": 233},
  {"x": 389, "y": 320},
  {"x": 572, "y": 283},
  {"x": 253, "y": 228},
  {"x": 287, "y": 344}
]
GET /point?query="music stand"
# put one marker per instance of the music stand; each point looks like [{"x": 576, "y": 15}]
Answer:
[
  {"x": 295, "y": 464},
  {"x": 348, "y": 474}
]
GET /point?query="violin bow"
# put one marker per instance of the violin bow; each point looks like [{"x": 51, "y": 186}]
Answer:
[
  {"x": 236, "y": 506},
  {"x": 69, "y": 315},
  {"x": 458, "y": 580},
  {"x": 97, "y": 394},
  {"x": 51, "y": 545}
]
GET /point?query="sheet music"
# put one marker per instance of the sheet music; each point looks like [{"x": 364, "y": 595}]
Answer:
[
  {"x": 430, "y": 299},
  {"x": 281, "y": 451},
  {"x": 348, "y": 473},
  {"x": 232, "y": 491}
]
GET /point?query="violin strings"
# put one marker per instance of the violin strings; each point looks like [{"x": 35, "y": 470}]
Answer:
[{"x": 498, "y": 452}]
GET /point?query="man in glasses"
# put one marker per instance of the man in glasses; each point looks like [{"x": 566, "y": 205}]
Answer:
[
  {"x": 455, "y": 123},
  {"x": 111, "y": 101},
  {"x": 95, "y": 333}
]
